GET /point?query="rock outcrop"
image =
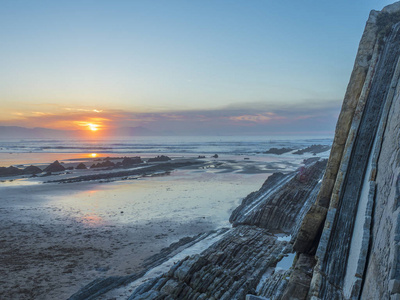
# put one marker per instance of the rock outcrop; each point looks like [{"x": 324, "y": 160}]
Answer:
[
  {"x": 54, "y": 167},
  {"x": 281, "y": 202},
  {"x": 10, "y": 171},
  {"x": 159, "y": 158},
  {"x": 352, "y": 229},
  {"x": 314, "y": 149},
  {"x": 81, "y": 166},
  {"x": 279, "y": 151},
  {"x": 130, "y": 161},
  {"x": 32, "y": 170}
]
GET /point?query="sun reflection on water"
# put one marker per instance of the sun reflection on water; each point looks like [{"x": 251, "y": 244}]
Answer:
[{"x": 93, "y": 220}]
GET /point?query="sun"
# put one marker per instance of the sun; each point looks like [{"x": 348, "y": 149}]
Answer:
[{"x": 93, "y": 127}]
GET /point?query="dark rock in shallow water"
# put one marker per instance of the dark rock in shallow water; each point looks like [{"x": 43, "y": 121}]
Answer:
[
  {"x": 107, "y": 164},
  {"x": 104, "y": 164},
  {"x": 10, "y": 171},
  {"x": 32, "y": 170},
  {"x": 278, "y": 151},
  {"x": 310, "y": 160},
  {"x": 130, "y": 161},
  {"x": 159, "y": 158},
  {"x": 81, "y": 166},
  {"x": 54, "y": 167},
  {"x": 314, "y": 149},
  {"x": 215, "y": 156}
]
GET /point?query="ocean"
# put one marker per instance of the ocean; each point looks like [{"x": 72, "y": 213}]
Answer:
[{"x": 193, "y": 145}]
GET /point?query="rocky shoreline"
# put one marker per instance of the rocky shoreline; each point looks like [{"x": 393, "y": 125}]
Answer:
[{"x": 250, "y": 259}]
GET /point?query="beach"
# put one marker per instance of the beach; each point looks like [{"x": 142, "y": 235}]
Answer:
[{"x": 62, "y": 230}]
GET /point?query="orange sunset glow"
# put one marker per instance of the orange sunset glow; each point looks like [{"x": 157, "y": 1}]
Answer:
[
  {"x": 90, "y": 125},
  {"x": 93, "y": 127}
]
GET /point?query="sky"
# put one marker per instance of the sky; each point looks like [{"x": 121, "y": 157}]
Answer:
[{"x": 184, "y": 67}]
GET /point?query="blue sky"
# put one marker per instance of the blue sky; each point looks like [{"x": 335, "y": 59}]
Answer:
[{"x": 269, "y": 59}]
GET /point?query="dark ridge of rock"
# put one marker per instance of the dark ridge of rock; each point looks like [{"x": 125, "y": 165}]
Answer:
[
  {"x": 166, "y": 167},
  {"x": 10, "y": 171},
  {"x": 314, "y": 149},
  {"x": 278, "y": 151},
  {"x": 277, "y": 204},
  {"x": 81, "y": 166},
  {"x": 130, "y": 161},
  {"x": 54, "y": 167},
  {"x": 32, "y": 170},
  {"x": 107, "y": 164},
  {"x": 310, "y": 160},
  {"x": 104, "y": 164},
  {"x": 159, "y": 158},
  {"x": 229, "y": 269}
]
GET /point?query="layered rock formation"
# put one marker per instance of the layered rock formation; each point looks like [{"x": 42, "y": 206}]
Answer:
[{"x": 356, "y": 208}]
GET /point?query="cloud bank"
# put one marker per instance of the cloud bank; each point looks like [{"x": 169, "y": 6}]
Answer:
[{"x": 309, "y": 117}]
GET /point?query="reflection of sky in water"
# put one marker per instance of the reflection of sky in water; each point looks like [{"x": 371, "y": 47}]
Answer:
[
  {"x": 92, "y": 220},
  {"x": 195, "y": 194},
  {"x": 184, "y": 196},
  {"x": 9, "y": 181}
]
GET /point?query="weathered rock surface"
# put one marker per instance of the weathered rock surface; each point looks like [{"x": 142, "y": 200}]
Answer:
[
  {"x": 104, "y": 164},
  {"x": 159, "y": 158},
  {"x": 81, "y": 166},
  {"x": 278, "y": 151},
  {"x": 54, "y": 167},
  {"x": 10, "y": 171},
  {"x": 130, "y": 161},
  {"x": 32, "y": 170},
  {"x": 230, "y": 269},
  {"x": 355, "y": 221},
  {"x": 314, "y": 149},
  {"x": 277, "y": 205}
]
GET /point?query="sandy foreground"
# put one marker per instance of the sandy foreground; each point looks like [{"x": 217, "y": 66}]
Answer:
[{"x": 56, "y": 238}]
